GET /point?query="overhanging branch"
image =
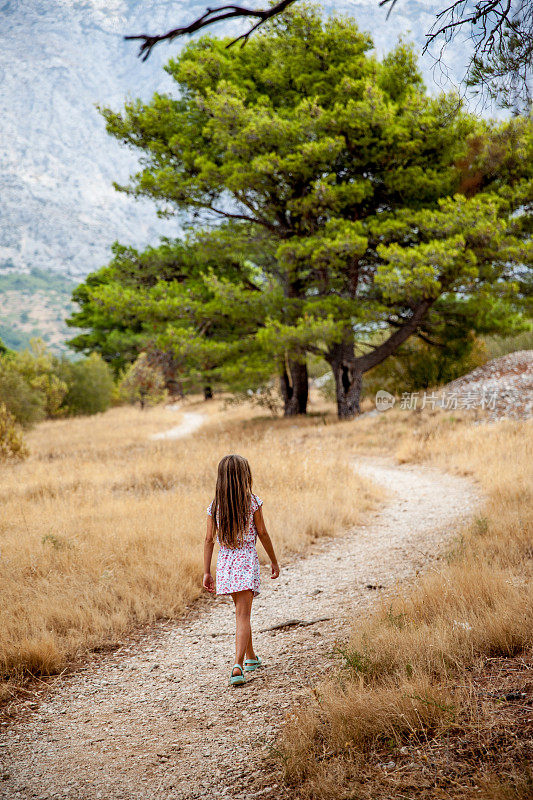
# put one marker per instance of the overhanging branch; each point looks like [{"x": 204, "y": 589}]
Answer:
[
  {"x": 423, "y": 336},
  {"x": 210, "y": 17},
  {"x": 400, "y": 335}
]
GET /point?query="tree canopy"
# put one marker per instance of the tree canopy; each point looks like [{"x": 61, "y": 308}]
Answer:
[{"x": 501, "y": 32}]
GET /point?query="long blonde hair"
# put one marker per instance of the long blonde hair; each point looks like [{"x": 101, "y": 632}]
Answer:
[{"x": 231, "y": 506}]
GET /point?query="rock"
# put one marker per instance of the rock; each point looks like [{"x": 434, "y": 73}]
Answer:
[{"x": 503, "y": 387}]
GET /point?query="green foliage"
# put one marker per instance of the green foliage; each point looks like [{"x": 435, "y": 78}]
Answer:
[
  {"x": 35, "y": 384},
  {"x": 417, "y": 365},
  {"x": 357, "y": 209},
  {"x": 195, "y": 299},
  {"x": 354, "y": 660},
  {"x": 12, "y": 447},
  {"x": 25, "y": 402},
  {"x": 143, "y": 383},
  {"x": 502, "y": 68},
  {"x": 90, "y": 385},
  {"x": 39, "y": 368}
]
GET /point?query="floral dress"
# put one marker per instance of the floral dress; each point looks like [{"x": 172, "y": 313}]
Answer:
[{"x": 238, "y": 568}]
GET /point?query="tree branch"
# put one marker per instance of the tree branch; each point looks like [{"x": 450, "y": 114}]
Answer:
[
  {"x": 390, "y": 345},
  {"x": 244, "y": 217},
  {"x": 429, "y": 341},
  {"x": 317, "y": 351},
  {"x": 420, "y": 335},
  {"x": 210, "y": 17},
  {"x": 501, "y": 32}
]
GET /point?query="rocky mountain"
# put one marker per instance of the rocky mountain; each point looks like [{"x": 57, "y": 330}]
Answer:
[{"x": 58, "y": 209}]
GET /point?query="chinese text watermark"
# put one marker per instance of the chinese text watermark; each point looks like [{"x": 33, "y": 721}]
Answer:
[{"x": 449, "y": 400}]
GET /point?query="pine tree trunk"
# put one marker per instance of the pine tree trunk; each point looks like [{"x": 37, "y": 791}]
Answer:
[
  {"x": 348, "y": 379},
  {"x": 348, "y": 369},
  {"x": 294, "y": 385},
  {"x": 208, "y": 393}
]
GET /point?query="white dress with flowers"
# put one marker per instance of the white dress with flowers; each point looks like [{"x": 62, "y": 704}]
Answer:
[{"x": 238, "y": 568}]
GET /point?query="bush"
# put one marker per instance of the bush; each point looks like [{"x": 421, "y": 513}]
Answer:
[
  {"x": 35, "y": 384},
  {"x": 417, "y": 365},
  {"x": 25, "y": 402},
  {"x": 12, "y": 447},
  {"x": 40, "y": 370},
  {"x": 143, "y": 383},
  {"x": 498, "y": 346},
  {"x": 90, "y": 385}
]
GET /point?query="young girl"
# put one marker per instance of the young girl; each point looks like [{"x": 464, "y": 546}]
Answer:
[{"x": 236, "y": 518}]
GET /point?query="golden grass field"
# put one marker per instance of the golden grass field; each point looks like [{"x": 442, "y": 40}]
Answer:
[
  {"x": 411, "y": 668},
  {"x": 102, "y": 528}
]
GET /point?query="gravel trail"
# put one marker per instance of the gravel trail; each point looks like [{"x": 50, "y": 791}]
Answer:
[
  {"x": 191, "y": 422},
  {"x": 156, "y": 719}
]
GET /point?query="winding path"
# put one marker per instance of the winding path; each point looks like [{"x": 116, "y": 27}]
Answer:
[
  {"x": 190, "y": 423},
  {"x": 156, "y": 718}
]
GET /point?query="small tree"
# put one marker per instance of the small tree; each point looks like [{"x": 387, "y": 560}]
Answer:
[
  {"x": 143, "y": 383},
  {"x": 40, "y": 369},
  {"x": 193, "y": 305},
  {"x": 12, "y": 447}
]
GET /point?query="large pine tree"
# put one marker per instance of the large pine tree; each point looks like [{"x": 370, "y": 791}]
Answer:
[{"x": 390, "y": 213}]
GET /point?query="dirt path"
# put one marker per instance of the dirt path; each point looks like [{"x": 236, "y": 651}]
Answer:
[
  {"x": 157, "y": 720},
  {"x": 191, "y": 422}
]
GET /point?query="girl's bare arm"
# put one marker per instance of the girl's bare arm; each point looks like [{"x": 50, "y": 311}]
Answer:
[
  {"x": 266, "y": 541},
  {"x": 209, "y": 543}
]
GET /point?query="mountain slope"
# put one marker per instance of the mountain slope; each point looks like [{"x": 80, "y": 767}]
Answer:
[
  {"x": 35, "y": 305},
  {"x": 57, "y": 59}
]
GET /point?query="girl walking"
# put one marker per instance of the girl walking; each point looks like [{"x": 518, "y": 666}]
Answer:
[{"x": 235, "y": 518}]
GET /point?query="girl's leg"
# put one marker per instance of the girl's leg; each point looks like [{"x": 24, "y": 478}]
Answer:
[
  {"x": 243, "y": 637},
  {"x": 250, "y": 652}
]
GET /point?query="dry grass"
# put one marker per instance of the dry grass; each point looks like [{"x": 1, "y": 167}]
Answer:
[
  {"x": 406, "y": 682},
  {"x": 102, "y": 529}
]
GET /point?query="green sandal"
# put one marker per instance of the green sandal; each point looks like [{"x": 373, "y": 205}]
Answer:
[
  {"x": 252, "y": 663},
  {"x": 237, "y": 680}
]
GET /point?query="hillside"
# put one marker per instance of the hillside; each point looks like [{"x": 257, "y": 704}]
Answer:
[
  {"x": 60, "y": 57},
  {"x": 35, "y": 305}
]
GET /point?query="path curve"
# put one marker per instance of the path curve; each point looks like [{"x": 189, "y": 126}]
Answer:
[
  {"x": 190, "y": 423},
  {"x": 156, "y": 718}
]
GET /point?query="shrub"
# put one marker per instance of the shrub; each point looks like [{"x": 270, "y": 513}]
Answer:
[
  {"x": 12, "y": 447},
  {"x": 25, "y": 402},
  {"x": 498, "y": 346},
  {"x": 40, "y": 370},
  {"x": 90, "y": 385},
  {"x": 417, "y": 365}
]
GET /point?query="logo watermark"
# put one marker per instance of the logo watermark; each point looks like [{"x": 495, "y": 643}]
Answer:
[
  {"x": 384, "y": 400},
  {"x": 411, "y": 401}
]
